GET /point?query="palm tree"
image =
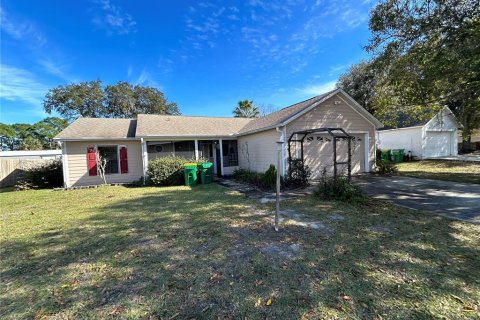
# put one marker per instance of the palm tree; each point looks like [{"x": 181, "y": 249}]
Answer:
[{"x": 246, "y": 109}]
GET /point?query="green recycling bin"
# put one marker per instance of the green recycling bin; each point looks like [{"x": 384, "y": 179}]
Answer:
[
  {"x": 206, "y": 174},
  {"x": 386, "y": 155},
  {"x": 190, "y": 174},
  {"x": 401, "y": 155},
  {"x": 397, "y": 155}
]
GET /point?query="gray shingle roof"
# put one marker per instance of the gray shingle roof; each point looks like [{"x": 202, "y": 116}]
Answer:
[
  {"x": 92, "y": 128},
  {"x": 150, "y": 125}
]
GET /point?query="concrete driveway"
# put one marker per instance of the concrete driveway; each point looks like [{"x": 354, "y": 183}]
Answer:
[{"x": 450, "y": 199}]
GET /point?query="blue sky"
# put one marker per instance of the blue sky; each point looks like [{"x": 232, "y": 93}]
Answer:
[{"x": 206, "y": 56}]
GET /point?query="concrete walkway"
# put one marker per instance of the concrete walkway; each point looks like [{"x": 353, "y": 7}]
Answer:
[{"x": 450, "y": 199}]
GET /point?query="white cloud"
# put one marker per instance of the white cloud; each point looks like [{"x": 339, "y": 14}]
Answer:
[
  {"x": 145, "y": 78},
  {"x": 113, "y": 19},
  {"x": 278, "y": 37},
  {"x": 21, "y": 28},
  {"x": 27, "y": 33},
  {"x": 206, "y": 23},
  {"x": 165, "y": 65},
  {"x": 301, "y": 37},
  {"x": 317, "y": 89},
  {"x": 55, "y": 68},
  {"x": 21, "y": 85}
]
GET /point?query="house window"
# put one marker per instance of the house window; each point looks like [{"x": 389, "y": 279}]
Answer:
[{"x": 111, "y": 154}]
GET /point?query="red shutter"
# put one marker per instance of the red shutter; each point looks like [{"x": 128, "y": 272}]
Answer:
[
  {"x": 92, "y": 161},
  {"x": 123, "y": 160}
]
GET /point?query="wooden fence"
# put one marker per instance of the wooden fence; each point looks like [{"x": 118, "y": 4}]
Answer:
[{"x": 11, "y": 170}]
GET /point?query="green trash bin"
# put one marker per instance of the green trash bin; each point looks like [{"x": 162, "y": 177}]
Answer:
[
  {"x": 397, "y": 155},
  {"x": 386, "y": 155},
  {"x": 401, "y": 155},
  {"x": 206, "y": 174},
  {"x": 190, "y": 174}
]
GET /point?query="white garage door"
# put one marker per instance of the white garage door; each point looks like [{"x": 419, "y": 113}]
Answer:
[
  {"x": 438, "y": 144},
  {"x": 318, "y": 153}
]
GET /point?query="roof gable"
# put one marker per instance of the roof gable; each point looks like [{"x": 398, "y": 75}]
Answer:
[
  {"x": 288, "y": 114},
  {"x": 444, "y": 115},
  {"x": 443, "y": 119}
]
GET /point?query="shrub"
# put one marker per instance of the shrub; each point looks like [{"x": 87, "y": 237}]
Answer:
[
  {"x": 378, "y": 155},
  {"x": 265, "y": 180},
  {"x": 200, "y": 161},
  {"x": 47, "y": 175},
  {"x": 385, "y": 167},
  {"x": 339, "y": 189},
  {"x": 299, "y": 174},
  {"x": 269, "y": 178},
  {"x": 247, "y": 176},
  {"x": 166, "y": 171}
]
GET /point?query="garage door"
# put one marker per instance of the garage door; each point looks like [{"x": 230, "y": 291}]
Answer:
[
  {"x": 318, "y": 153},
  {"x": 438, "y": 144}
]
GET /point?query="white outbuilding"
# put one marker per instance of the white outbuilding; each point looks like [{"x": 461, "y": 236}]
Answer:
[{"x": 436, "y": 138}]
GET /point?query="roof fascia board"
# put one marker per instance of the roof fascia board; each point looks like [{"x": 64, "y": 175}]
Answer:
[
  {"x": 183, "y": 137},
  {"x": 258, "y": 130},
  {"x": 94, "y": 138},
  {"x": 404, "y": 128}
]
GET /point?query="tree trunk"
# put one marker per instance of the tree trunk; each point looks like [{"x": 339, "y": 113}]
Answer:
[{"x": 466, "y": 144}]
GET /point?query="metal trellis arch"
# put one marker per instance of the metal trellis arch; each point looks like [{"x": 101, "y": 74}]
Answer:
[{"x": 336, "y": 134}]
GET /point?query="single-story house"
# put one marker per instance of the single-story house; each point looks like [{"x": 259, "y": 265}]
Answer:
[
  {"x": 436, "y": 137},
  {"x": 230, "y": 143}
]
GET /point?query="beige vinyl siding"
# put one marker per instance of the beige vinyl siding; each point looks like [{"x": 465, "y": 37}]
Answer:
[
  {"x": 228, "y": 171},
  {"x": 260, "y": 148},
  {"x": 78, "y": 168},
  {"x": 318, "y": 155}
]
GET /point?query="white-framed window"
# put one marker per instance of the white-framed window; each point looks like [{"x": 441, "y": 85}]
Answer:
[{"x": 111, "y": 153}]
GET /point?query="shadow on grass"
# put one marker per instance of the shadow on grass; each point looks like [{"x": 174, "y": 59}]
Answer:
[{"x": 200, "y": 254}]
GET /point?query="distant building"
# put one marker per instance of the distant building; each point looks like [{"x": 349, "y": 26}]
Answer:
[{"x": 437, "y": 137}]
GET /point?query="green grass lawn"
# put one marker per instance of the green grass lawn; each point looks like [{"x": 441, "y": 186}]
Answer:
[
  {"x": 457, "y": 171},
  {"x": 177, "y": 253}
]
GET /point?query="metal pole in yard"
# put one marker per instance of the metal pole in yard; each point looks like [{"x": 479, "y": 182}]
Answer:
[{"x": 279, "y": 166}]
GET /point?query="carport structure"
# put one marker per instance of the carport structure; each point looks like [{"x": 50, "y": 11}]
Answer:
[{"x": 336, "y": 134}]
